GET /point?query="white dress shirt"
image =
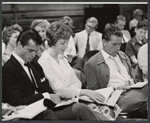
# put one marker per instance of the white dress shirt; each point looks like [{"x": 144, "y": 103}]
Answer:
[
  {"x": 22, "y": 62},
  {"x": 116, "y": 78},
  {"x": 61, "y": 76},
  {"x": 95, "y": 41}
]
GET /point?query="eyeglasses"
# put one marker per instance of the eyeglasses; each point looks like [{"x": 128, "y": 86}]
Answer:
[{"x": 90, "y": 27}]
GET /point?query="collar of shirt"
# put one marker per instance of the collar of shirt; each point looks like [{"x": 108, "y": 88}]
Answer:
[
  {"x": 105, "y": 54},
  {"x": 20, "y": 60},
  {"x": 138, "y": 41},
  {"x": 48, "y": 56},
  {"x": 92, "y": 33}
]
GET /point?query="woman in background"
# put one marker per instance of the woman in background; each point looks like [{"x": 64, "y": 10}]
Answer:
[
  {"x": 41, "y": 25},
  {"x": 9, "y": 37}
]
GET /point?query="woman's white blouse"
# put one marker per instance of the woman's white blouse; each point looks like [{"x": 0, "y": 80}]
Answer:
[{"x": 60, "y": 76}]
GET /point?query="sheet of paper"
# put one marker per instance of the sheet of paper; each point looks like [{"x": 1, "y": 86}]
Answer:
[{"x": 139, "y": 84}]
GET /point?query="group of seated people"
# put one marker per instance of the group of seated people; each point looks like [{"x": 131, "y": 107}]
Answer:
[{"x": 44, "y": 62}]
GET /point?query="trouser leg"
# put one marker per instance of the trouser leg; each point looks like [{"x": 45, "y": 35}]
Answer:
[
  {"x": 77, "y": 111},
  {"x": 83, "y": 112},
  {"x": 46, "y": 115},
  {"x": 133, "y": 99}
]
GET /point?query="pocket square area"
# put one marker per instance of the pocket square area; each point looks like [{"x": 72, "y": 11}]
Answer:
[{"x": 42, "y": 80}]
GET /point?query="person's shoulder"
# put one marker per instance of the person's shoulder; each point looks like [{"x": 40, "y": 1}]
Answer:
[
  {"x": 9, "y": 66},
  {"x": 125, "y": 31},
  {"x": 132, "y": 21},
  {"x": 93, "y": 58},
  {"x": 121, "y": 53},
  {"x": 144, "y": 47},
  {"x": 132, "y": 40},
  {"x": 98, "y": 33},
  {"x": 80, "y": 33}
]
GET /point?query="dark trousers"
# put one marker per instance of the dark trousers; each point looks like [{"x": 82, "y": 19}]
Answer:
[
  {"x": 46, "y": 115},
  {"x": 133, "y": 99},
  {"x": 77, "y": 111}
]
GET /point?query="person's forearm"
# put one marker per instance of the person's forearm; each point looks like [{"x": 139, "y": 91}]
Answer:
[
  {"x": 133, "y": 59},
  {"x": 84, "y": 92}
]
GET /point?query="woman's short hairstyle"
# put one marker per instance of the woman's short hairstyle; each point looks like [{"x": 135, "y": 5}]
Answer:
[
  {"x": 142, "y": 24},
  {"x": 111, "y": 31},
  {"x": 56, "y": 31},
  {"x": 26, "y": 35},
  {"x": 67, "y": 20},
  {"x": 40, "y": 22},
  {"x": 6, "y": 34}
]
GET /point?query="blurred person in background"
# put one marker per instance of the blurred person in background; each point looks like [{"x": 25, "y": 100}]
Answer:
[
  {"x": 40, "y": 25},
  {"x": 136, "y": 42},
  {"x": 5, "y": 24},
  {"x": 137, "y": 16},
  {"x": 9, "y": 37},
  {"x": 121, "y": 22},
  {"x": 88, "y": 39},
  {"x": 70, "y": 52}
]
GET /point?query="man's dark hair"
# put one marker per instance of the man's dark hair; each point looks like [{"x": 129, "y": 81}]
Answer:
[
  {"x": 26, "y": 35},
  {"x": 111, "y": 31},
  {"x": 142, "y": 25}
]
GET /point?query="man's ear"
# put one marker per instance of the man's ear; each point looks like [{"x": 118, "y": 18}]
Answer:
[
  {"x": 19, "y": 46},
  {"x": 135, "y": 29},
  {"x": 104, "y": 42}
]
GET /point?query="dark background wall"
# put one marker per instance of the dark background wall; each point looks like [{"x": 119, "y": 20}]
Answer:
[{"x": 24, "y": 14}]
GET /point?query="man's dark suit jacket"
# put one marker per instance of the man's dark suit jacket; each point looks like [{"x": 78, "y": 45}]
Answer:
[{"x": 17, "y": 88}]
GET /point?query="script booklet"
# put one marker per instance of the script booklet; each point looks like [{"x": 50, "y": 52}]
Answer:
[
  {"x": 67, "y": 102},
  {"x": 28, "y": 112},
  {"x": 111, "y": 96},
  {"x": 139, "y": 84}
]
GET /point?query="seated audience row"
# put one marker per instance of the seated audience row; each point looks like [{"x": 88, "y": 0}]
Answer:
[{"x": 52, "y": 76}]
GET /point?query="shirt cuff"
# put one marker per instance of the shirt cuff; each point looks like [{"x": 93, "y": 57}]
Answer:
[{"x": 46, "y": 95}]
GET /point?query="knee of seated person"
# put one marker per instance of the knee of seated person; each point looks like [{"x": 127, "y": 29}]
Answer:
[
  {"x": 79, "y": 107},
  {"x": 49, "y": 115}
]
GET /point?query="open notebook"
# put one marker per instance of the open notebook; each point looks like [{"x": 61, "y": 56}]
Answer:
[
  {"x": 111, "y": 96},
  {"x": 28, "y": 112},
  {"x": 139, "y": 84}
]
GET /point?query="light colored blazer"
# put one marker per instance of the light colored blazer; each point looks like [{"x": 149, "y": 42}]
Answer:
[
  {"x": 95, "y": 41},
  {"x": 61, "y": 76}
]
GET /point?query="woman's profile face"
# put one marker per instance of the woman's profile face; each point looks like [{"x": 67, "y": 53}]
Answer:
[
  {"x": 61, "y": 46},
  {"x": 41, "y": 31},
  {"x": 13, "y": 38}
]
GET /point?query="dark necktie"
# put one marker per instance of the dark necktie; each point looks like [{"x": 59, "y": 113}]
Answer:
[
  {"x": 31, "y": 75},
  {"x": 87, "y": 45}
]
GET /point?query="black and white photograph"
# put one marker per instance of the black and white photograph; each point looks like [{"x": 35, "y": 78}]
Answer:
[{"x": 74, "y": 61}]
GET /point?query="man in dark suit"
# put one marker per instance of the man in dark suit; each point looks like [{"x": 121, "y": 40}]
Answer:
[{"x": 24, "y": 82}]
